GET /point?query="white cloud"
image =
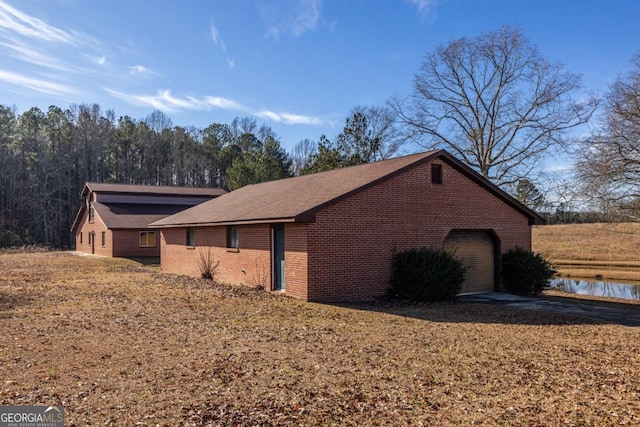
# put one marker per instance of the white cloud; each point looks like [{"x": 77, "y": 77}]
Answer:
[
  {"x": 40, "y": 45},
  {"x": 289, "y": 118},
  {"x": 35, "y": 57},
  {"x": 36, "y": 85},
  {"x": 163, "y": 100},
  {"x": 306, "y": 17},
  {"x": 273, "y": 32},
  {"x": 13, "y": 20},
  {"x": 422, "y": 5},
  {"x": 98, "y": 60},
  {"x": 559, "y": 167},
  {"x": 141, "y": 70},
  {"x": 294, "y": 17},
  {"x": 137, "y": 69},
  {"x": 215, "y": 37},
  {"x": 166, "y": 102},
  {"x": 223, "y": 103},
  {"x": 214, "y": 33},
  {"x": 425, "y": 6},
  {"x": 265, "y": 114}
]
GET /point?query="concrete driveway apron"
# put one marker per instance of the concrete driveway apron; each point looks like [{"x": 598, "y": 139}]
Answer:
[{"x": 604, "y": 314}]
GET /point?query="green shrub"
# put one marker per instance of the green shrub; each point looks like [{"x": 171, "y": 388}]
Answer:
[
  {"x": 525, "y": 273},
  {"x": 424, "y": 274}
]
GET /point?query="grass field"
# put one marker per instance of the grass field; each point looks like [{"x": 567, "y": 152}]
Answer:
[
  {"x": 117, "y": 343},
  {"x": 606, "y": 251}
]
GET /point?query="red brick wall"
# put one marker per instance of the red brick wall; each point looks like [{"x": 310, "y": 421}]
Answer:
[
  {"x": 295, "y": 257},
  {"x": 97, "y": 227},
  {"x": 345, "y": 255},
  {"x": 127, "y": 243},
  {"x": 351, "y": 243},
  {"x": 119, "y": 243},
  {"x": 250, "y": 264}
]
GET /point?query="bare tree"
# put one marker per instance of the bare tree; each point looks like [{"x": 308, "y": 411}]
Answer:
[
  {"x": 494, "y": 101},
  {"x": 243, "y": 125},
  {"x": 608, "y": 164},
  {"x": 158, "y": 121},
  {"x": 302, "y": 154},
  {"x": 370, "y": 133}
]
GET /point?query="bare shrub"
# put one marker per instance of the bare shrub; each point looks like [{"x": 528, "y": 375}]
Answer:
[
  {"x": 259, "y": 277},
  {"x": 206, "y": 263}
]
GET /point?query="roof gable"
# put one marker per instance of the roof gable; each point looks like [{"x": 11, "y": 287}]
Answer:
[{"x": 297, "y": 199}]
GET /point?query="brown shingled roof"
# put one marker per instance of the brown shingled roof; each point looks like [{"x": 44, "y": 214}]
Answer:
[
  {"x": 143, "y": 190},
  {"x": 101, "y": 187},
  {"x": 134, "y": 215},
  {"x": 296, "y": 199}
]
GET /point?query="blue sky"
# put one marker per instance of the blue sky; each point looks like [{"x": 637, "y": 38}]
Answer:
[{"x": 297, "y": 66}]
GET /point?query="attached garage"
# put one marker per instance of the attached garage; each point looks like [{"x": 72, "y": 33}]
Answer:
[
  {"x": 331, "y": 236},
  {"x": 476, "y": 250}
]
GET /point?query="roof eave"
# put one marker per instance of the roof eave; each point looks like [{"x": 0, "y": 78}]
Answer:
[
  {"x": 76, "y": 221},
  {"x": 141, "y": 190},
  {"x": 225, "y": 223}
]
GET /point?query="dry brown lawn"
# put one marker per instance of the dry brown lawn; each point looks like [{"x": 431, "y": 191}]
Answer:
[
  {"x": 602, "y": 251},
  {"x": 600, "y": 241},
  {"x": 118, "y": 343}
]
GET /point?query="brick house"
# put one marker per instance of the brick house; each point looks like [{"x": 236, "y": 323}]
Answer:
[
  {"x": 330, "y": 236},
  {"x": 114, "y": 218}
]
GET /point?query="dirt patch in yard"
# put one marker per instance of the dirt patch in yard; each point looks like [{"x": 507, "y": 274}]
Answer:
[{"x": 118, "y": 343}]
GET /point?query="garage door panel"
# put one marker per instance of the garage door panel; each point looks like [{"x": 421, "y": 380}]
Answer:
[{"x": 475, "y": 249}]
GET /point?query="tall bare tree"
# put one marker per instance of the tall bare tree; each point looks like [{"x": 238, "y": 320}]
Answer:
[
  {"x": 495, "y": 102},
  {"x": 301, "y": 155},
  {"x": 608, "y": 165}
]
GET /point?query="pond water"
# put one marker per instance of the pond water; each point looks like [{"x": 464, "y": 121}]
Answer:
[{"x": 597, "y": 288}]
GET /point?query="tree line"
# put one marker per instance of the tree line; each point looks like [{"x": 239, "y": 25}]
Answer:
[
  {"x": 46, "y": 158},
  {"x": 492, "y": 100}
]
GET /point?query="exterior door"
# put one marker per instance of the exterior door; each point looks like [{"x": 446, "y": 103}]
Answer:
[
  {"x": 278, "y": 258},
  {"x": 475, "y": 249}
]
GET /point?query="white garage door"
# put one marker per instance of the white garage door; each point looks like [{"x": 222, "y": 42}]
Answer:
[{"x": 475, "y": 249}]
